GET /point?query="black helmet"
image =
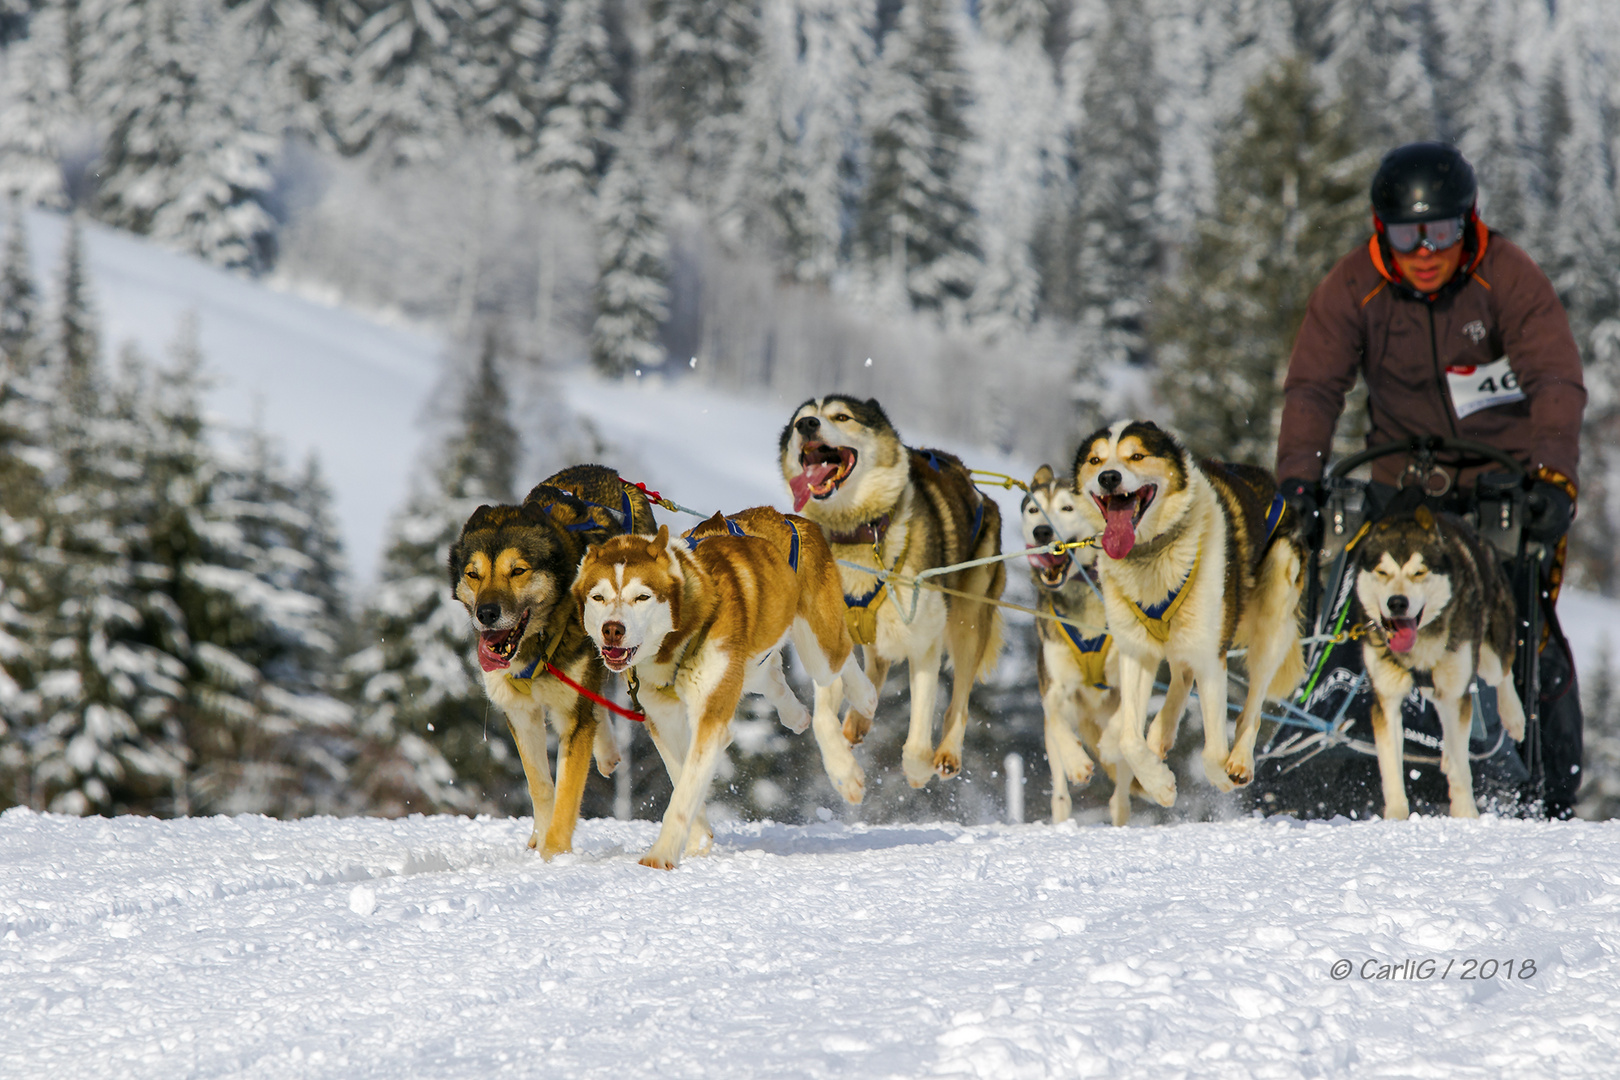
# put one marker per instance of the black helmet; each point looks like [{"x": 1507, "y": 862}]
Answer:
[{"x": 1423, "y": 181}]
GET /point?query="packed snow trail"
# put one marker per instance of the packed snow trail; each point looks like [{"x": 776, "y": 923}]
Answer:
[{"x": 441, "y": 947}]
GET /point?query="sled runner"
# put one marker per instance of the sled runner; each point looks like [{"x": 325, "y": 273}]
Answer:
[{"x": 1318, "y": 761}]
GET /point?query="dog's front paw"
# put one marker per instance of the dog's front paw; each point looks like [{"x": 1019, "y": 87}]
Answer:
[
  {"x": 794, "y": 719},
  {"x": 657, "y": 862},
  {"x": 1396, "y": 811},
  {"x": 547, "y": 852},
  {"x": 1464, "y": 808},
  {"x": 1062, "y": 806},
  {"x": 1159, "y": 783},
  {"x": 535, "y": 840},
  {"x": 947, "y": 764},
  {"x": 856, "y": 726},
  {"x": 1240, "y": 768},
  {"x": 851, "y": 786}
]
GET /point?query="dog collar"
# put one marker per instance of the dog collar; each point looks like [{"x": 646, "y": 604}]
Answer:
[
  {"x": 867, "y": 532},
  {"x": 1155, "y": 618}
]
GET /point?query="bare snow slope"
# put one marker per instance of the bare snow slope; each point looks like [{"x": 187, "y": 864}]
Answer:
[{"x": 441, "y": 947}]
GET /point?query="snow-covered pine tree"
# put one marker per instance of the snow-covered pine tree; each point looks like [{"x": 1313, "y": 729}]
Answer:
[
  {"x": 269, "y": 737},
  {"x": 295, "y": 52},
  {"x": 701, "y": 57},
  {"x": 632, "y": 292},
  {"x": 499, "y": 64},
  {"x": 19, "y": 299},
  {"x": 401, "y": 87},
  {"x": 417, "y": 678},
  {"x": 184, "y": 160},
  {"x": 108, "y": 738},
  {"x": 791, "y": 184},
  {"x": 1020, "y": 149},
  {"x": 1486, "y": 90},
  {"x": 1576, "y": 247},
  {"x": 23, "y": 505},
  {"x": 582, "y": 108},
  {"x": 38, "y": 108},
  {"x": 1292, "y": 181},
  {"x": 916, "y": 231},
  {"x": 1376, "y": 51},
  {"x": 1117, "y": 146}
]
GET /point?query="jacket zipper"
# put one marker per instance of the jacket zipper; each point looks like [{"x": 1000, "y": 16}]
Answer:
[{"x": 1440, "y": 376}]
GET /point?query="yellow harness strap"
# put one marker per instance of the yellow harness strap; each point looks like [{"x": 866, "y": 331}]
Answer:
[
  {"x": 1155, "y": 619},
  {"x": 1090, "y": 653},
  {"x": 861, "y": 612}
]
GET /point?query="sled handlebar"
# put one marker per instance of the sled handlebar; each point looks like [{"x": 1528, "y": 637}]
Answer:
[{"x": 1426, "y": 444}]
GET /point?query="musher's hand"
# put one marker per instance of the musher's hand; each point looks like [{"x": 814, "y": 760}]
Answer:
[
  {"x": 1551, "y": 510},
  {"x": 1305, "y": 496}
]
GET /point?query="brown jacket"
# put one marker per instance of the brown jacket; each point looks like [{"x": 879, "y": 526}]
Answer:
[{"x": 1422, "y": 358}]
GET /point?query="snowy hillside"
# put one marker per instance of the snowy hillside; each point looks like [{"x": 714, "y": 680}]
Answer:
[
  {"x": 440, "y": 947},
  {"x": 323, "y": 379}
]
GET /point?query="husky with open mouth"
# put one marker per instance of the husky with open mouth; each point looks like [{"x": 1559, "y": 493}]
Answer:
[
  {"x": 700, "y": 620},
  {"x": 1076, "y": 665},
  {"x": 512, "y": 568},
  {"x": 1439, "y": 605},
  {"x": 885, "y": 505},
  {"x": 1197, "y": 559}
]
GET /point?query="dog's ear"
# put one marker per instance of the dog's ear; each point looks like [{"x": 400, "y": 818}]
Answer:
[
  {"x": 1425, "y": 518},
  {"x": 659, "y": 544},
  {"x": 1150, "y": 425},
  {"x": 1043, "y": 475}
]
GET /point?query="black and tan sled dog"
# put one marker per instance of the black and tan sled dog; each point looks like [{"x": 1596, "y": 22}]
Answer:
[
  {"x": 884, "y": 504},
  {"x": 1197, "y": 559},
  {"x": 1440, "y": 611},
  {"x": 513, "y": 568}
]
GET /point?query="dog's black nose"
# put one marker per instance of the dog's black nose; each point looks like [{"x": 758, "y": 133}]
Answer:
[
  {"x": 1397, "y": 605},
  {"x": 1043, "y": 534},
  {"x": 489, "y": 614},
  {"x": 1109, "y": 480},
  {"x": 808, "y": 426}
]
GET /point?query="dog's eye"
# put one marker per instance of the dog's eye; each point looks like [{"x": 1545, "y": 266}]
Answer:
[
  {"x": 841, "y": 418},
  {"x": 640, "y": 597},
  {"x": 519, "y": 571},
  {"x": 1066, "y": 509},
  {"x": 1094, "y": 460},
  {"x": 473, "y": 575},
  {"x": 1418, "y": 574},
  {"x": 1138, "y": 457},
  {"x": 598, "y": 598}
]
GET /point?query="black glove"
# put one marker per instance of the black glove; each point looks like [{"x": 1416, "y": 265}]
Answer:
[
  {"x": 1551, "y": 510},
  {"x": 1305, "y": 496}
]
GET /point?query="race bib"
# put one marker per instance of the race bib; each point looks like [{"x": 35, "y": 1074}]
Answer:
[{"x": 1482, "y": 387}]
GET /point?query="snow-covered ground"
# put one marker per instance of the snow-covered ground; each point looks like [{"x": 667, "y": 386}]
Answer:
[{"x": 441, "y": 947}]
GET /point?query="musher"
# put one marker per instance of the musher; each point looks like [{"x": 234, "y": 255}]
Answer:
[{"x": 1458, "y": 333}]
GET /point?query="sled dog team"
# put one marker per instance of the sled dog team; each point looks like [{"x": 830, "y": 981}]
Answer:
[{"x": 1192, "y": 559}]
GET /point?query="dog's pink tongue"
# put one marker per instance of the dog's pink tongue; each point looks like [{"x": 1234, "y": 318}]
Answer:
[
  {"x": 811, "y": 477},
  {"x": 487, "y": 658},
  {"x": 1402, "y": 635},
  {"x": 1119, "y": 535}
]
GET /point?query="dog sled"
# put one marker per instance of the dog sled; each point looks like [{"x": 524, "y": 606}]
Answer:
[{"x": 1318, "y": 760}]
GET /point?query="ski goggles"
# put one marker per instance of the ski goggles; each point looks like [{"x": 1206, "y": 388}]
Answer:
[{"x": 1434, "y": 235}]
